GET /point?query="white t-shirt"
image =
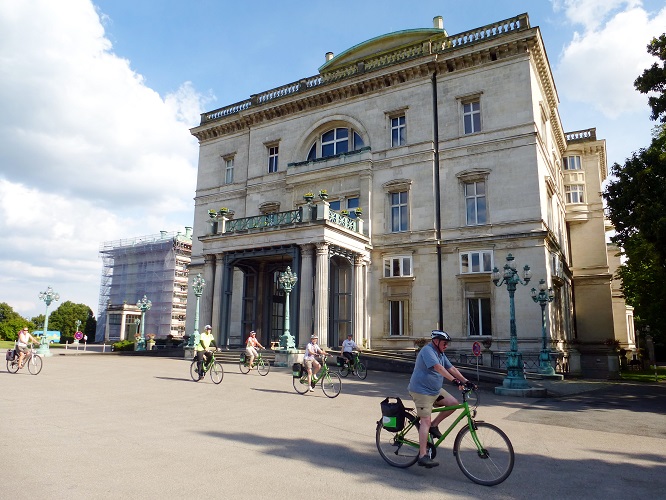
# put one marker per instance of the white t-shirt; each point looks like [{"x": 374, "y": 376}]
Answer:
[
  {"x": 23, "y": 339},
  {"x": 311, "y": 350},
  {"x": 349, "y": 345}
]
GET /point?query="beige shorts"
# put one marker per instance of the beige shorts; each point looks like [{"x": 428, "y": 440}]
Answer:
[
  {"x": 425, "y": 402},
  {"x": 308, "y": 364}
]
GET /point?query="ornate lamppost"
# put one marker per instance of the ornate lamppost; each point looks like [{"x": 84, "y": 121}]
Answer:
[
  {"x": 198, "y": 284},
  {"x": 515, "y": 377},
  {"x": 544, "y": 297},
  {"x": 48, "y": 296},
  {"x": 287, "y": 280},
  {"x": 144, "y": 305}
]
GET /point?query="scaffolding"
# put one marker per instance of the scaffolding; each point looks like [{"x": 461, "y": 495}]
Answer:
[{"x": 154, "y": 266}]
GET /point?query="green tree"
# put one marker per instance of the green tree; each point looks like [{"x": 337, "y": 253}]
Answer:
[
  {"x": 11, "y": 322},
  {"x": 653, "y": 79},
  {"x": 65, "y": 316}
]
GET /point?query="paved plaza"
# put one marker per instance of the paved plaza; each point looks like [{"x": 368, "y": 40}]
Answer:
[{"x": 103, "y": 426}]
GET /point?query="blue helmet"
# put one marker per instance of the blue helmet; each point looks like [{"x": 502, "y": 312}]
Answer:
[{"x": 440, "y": 334}]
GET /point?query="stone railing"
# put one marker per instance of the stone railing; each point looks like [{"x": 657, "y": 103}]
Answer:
[
  {"x": 439, "y": 45},
  {"x": 343, "y": 220},
  {"x": 262, "y": 221},
  {"x": 589, "y": 134}
]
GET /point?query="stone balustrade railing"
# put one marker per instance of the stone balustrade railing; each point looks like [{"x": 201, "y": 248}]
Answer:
[
  {"x": 589, "y": 134},
  {"x": 438, "y": 45}
]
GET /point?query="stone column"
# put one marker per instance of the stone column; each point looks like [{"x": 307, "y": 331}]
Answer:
[
  {"x": 206, "y": 301},
  {"x": 359, "y": 299},
  {"x": 123, "y": 321},
  {"x": 307, "y": 292},
  {"x": 217, "y": 297},
  {"x": 321, "y": 294}
]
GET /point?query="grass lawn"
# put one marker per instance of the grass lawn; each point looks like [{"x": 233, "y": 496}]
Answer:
[{"x": 645, "y": 375}]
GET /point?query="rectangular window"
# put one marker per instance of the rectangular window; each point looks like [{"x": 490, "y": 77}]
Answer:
[
  {"x": 272, "y": 159},
  {"x": 475, "y": 202},
  {"x": 229, "y": 170},
  {"x": 352, "y": 204},
  {"x": 397, "y": 317},
  {"x": 472, "y": 117},
  {"x": 334, "y": 205},
  {"x": 478, "y": 317},
  {"x": 398, "y": 128},
  {"x": 575, "y": 193},
  {"x": 399, "y": 213},
  {"x": 397, "y": 266},
  {"x": 572, "y": 163},
  {"x": 334, "y": 142},
  {"x": 479, "y": 261}
]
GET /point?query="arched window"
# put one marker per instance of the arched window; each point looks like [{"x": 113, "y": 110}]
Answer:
[{"x": 334, "y": 142}]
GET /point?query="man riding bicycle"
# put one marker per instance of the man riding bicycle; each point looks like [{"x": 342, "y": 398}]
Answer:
[
  {"x": 348, "y": 347},
  {"x": 203, "y": 348},
  {"x": 24, "y": 338},
  {"x": 425, "y": 387},
  {"x": 310, "y": 358}
]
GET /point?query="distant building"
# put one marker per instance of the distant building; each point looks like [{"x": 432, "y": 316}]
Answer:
[
  {"x": 453, "y": 149},
  {"x": 154, "y": 266}
]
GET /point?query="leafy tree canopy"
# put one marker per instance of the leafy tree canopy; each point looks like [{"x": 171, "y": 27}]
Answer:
[
  {"x": 65, "y": 316},
  {"x": 653, "y": 79},
  {"x": 11, "y": 322}
]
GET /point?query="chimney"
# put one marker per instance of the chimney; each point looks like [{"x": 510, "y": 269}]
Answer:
[
  {"x": 163, "y": 234},
  {"x": 188, "y": 232},
  {"x": 329, "y": 56},
  {"x": 438, "y": 22}
]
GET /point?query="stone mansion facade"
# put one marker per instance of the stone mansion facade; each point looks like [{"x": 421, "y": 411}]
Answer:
[{"x": 392, "y": 183}]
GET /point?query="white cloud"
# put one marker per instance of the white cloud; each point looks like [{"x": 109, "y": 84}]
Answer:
[
  {"x": 593, "y": 13},
  {"x": 88, "y": 152},
  {"x": 600, "y": 65}
]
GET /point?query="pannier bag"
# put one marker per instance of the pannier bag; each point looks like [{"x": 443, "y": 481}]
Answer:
[
  {"x": 297, "y": 370},
  {"x": 11, "y": 353},
  {"x": 393, "y": 415},
  {"x": 242, "y": 357},
  {"x": 341, "y": 361}
]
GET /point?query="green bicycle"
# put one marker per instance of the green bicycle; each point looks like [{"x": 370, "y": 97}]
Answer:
[
  {"x": 212, "y": 365},
  {"x": 483, "y": 452},
  {"x": 331, "y": 383},
  {"x": 355, "y": 367},
  {"x": 262, "y": 366}
]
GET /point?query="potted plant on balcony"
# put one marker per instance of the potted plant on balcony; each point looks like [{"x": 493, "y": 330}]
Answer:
[
  {"x": 308, "y": 197},
  {"x": 344, "y": 212},
  {"x": 358, "y": 211},
  {"x": 212, "y": 214},
  {"x": 323, "y": 194},
  {"x": 223, "y": 211}
]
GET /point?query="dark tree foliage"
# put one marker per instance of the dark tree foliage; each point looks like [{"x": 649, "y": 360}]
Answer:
[
  {"x": 65, "y": 316},
  {"x": 11, "y": 322},
  {"x": 653, "y": 79}
]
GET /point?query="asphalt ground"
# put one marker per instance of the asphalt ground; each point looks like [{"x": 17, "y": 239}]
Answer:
[{"x": 111, "y": 426}]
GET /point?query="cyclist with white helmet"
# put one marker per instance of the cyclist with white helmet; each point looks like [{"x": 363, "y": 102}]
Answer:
[
  {"x": 425, "y": 387},
  {"x": 312, "y": 350}
]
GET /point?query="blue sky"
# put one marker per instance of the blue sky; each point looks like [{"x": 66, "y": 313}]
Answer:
[{"x": 99, "y": 98}]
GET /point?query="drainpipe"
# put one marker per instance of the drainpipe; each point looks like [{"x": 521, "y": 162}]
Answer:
[{"x": 438, "y": 215}]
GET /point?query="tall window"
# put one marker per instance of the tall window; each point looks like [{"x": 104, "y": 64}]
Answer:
[
  {"x": 398, "y": 266},
  {"x": 399, "y": 212},
  {"x": 398, "y": 129},
  {"x": 229, "y": 170},
  {"x": 475, "y": 202},
  {"x": 398, "y": 317},
  {"x": 575, "y": 193},
  {"x": 478, "y": 317},
  {"x": 472, "y": 117},
  {"x": 336, "y": 141},
  {"x": 478, "y": 261},
  {"x": 272, "y": 159},
  {"x": 572, "y": 163}
]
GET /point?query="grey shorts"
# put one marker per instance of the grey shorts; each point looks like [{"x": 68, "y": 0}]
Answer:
[{"x": 425, "y": 402}]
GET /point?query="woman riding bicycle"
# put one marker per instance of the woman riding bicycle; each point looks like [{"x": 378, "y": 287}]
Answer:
[
  {"x": 310, "y": 358},
  {"x": 24, "y": 338},
  {"x": 251, "y": 347}
]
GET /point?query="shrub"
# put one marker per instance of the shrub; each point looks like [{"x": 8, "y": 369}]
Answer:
[{"x": 123, "y": 345}]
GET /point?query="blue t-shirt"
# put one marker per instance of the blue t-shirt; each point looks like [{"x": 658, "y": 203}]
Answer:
[{"x": 425, "y": 379}]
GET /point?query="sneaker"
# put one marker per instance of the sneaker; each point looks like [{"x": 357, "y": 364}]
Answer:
[
  {"x": 434, "y": 432},
  {"x": 312, "y": 384},
  {"x": 427, "y": 462},
  {"x": 311, "y": 389}
]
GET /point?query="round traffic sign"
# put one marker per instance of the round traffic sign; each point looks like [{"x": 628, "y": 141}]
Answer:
[
  {"x": 78, "y": 335},
  {"x": 476, "y": 349}
]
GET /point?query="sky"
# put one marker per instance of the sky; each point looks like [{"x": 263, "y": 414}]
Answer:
[{"x": 97, "y": 99}]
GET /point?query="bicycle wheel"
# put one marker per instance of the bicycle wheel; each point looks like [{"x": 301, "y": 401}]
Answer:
[
  {"x": 490, "y": 466},
  {"x": 399, "y": 449},
  {"x": 35, "y": 364},
  {"x": 12, "y": 366},
  {"x": 216, "y": 372},
  {"x": 243, "y": 365},
  {"x": 301, "y": 384},
  {"x": 263, "y": 367},
  {"x": 345, "y": 370},
  {"x": 331, "y": 384},
  {"x": 194, "y": 373},
  {"x": 360, "y": 371}
]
